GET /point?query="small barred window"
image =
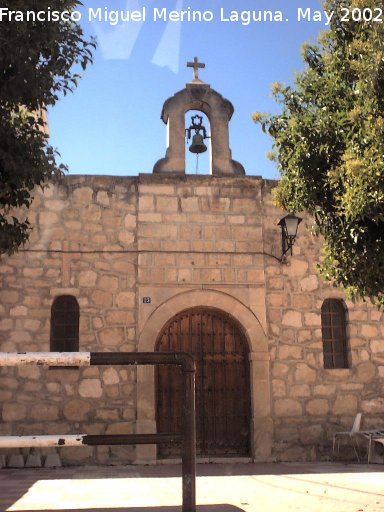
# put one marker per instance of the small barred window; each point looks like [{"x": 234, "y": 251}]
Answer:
[{"x": 333, "y": 327}]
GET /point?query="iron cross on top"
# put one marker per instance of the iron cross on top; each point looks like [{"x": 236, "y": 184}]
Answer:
[{"x": 195, "y": 65}]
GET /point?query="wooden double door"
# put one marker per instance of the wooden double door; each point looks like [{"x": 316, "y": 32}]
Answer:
[{"x": 222, "y": 383}]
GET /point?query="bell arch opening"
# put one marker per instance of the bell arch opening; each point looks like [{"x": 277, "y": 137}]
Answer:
[
  {"x": 223, "y": 398},
  {"x": 198, "y": 160}
]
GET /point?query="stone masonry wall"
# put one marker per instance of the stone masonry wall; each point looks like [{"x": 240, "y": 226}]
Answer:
[
  {"x": 179, "y": 217},
  {"x": 112, "y": 241},
  {"x": 200, "y": 231},
  {"x": 89, "y": 219},
  {"x": 309, "y": 402}
]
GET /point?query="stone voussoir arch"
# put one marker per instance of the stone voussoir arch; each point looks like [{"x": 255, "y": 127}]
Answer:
[
  {"x": 261, "y": 428},
  {"x": 250, "y": 324}
]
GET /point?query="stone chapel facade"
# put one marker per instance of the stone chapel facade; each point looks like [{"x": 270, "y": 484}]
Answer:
[{"x": 169, "y": 261}]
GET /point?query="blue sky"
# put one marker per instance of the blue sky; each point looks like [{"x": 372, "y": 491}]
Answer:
[{"x": 111, "y": 123}]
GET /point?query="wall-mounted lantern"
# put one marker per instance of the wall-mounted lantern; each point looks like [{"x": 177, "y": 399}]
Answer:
[{"x": 289, "y": 225}]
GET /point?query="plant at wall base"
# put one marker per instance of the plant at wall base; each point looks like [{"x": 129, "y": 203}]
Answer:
[
  {"x": 38, "y": 62},
  {"x": 329, "y": 146}
]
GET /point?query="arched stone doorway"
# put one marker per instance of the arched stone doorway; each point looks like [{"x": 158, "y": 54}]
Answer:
[
  {"x": 261, "y": 422},
  {"x": 223, "y": 405}
]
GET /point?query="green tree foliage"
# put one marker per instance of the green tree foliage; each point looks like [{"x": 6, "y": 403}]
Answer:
[
  {"x": 329, "y": 146},
  {"x": 38, "y": 63}
]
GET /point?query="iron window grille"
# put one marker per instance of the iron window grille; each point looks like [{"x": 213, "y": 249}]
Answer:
[{"x": 334, "y": 334}]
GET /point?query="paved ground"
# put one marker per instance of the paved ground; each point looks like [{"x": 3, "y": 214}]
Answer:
[{"x": 320, "y": 487}]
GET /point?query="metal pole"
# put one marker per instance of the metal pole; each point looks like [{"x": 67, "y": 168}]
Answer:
[
  {"x": 45, "y": 358},
  {"x": 142, "y": 358},
  {"x": 122, "y": 358},
  {"x": 189, "y": 426},
  {"x": 64, "y": 440},
  {"x": 189, "y": 442}
]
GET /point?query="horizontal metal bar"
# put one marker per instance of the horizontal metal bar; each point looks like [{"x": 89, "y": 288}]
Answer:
[
  {"x": 45, "y": 358},
  {"x": 144, "y": 358},
  {"x": 63, "y": 440},
  {"x": 123, "y": 358},
  {"x": 41, "y": 441},
  {"x": 96, "y": 358},
  {"x": 96, "y": 440}
]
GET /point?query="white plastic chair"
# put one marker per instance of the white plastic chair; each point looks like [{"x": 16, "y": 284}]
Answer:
[{"x": 351, "y": 435}]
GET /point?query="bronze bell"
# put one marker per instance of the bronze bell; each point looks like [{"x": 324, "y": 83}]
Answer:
[{"x": 197, "y": 145}]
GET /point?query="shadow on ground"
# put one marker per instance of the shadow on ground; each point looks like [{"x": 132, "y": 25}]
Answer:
[
  {"x": 226, "y": 469},
  {"x": 223, "y": 507}
]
